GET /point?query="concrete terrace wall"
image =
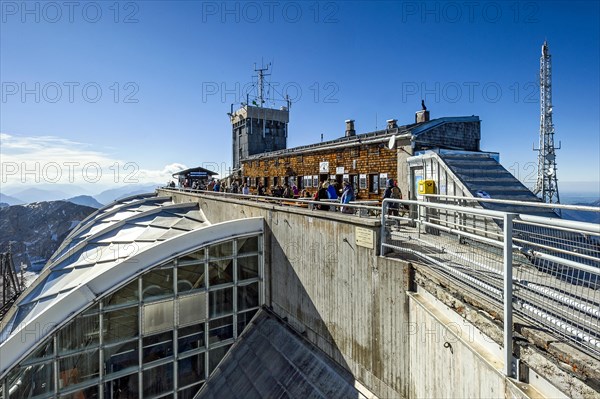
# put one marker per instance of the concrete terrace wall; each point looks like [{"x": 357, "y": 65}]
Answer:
[
  {"x": 353, "y": 305},
  {"x": 342, "y": 297}
]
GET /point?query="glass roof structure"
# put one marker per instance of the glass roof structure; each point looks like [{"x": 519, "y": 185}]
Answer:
[{"x": 111, "y": 250}]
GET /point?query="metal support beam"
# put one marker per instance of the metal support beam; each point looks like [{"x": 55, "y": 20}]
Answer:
[{"x": 508, "y": 295}]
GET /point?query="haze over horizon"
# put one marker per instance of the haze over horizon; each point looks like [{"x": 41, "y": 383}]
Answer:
[{"x": 99, "y": 95}]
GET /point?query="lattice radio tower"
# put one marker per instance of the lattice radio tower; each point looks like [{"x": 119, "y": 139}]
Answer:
[{"x": 547, "y": 184}]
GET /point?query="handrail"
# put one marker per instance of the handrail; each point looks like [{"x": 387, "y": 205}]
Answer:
[{"x": 552, "y": 264}]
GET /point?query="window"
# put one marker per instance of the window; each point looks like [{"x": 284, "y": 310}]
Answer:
[
  {"x": 247, "y": 296},
  {"x": 191, "y": 370},
  {"x": 315, "y": 181},
  {"x": 192, "y": 308},
  {"x": 121, "y": 325},
  {"x": 220, "y": 272},
  {"x": 220, "y": 330},
  {"x": 221, "y": 250},
  {"x": 374, "y": 183},
  {"x": 191, "y": 338},
  {"x": 190, "y": 278},
  {"x": 247, "y": 267},
  {"x": 221, "y": 302},
  {"x": 247, "y": 245},
  {"x": 363, "y": 182},
  {"x": 215, "y": 357},
  {"x": 157, "y": 347},
  {"x": 158, "y": 380},
  {"x": 157, "y": 316},
  {"x": 157, "y": 283},
  {"x": 382, "y": 180}
]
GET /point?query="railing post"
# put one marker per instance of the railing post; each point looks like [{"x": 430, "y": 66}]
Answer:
[
  {"x": 418, "y": 220},
  {"x": 508, "y": 294},
  {"x": 384, "y": 206}
]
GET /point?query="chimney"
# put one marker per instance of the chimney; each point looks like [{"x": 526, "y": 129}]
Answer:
[
  {"x": 391, "y": 124},
  {"x": 422, "y": 116},
  {"x": 350, "y": 128}
]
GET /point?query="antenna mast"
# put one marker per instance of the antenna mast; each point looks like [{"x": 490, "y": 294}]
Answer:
[
  {"x": 547, "y": 183},
  {"x": 261, "y": 82}
]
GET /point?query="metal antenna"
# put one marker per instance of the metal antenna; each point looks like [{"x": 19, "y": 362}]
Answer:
[
  {"x": 547, "y": 183},
  {"x": 261, "y": 82}
]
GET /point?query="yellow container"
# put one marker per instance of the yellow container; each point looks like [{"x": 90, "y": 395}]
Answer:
[{"x": 426, "y": 187}]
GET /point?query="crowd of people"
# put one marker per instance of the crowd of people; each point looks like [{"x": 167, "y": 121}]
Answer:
[{"x": 327, "y": 192}]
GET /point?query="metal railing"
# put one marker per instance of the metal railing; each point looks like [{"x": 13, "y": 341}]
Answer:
[
  {"x": 545, "y": 269},
  {"x": 357, "y": 208}
]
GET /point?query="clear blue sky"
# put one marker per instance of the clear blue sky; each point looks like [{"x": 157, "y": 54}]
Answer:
[{"x": 164, "y": 69}]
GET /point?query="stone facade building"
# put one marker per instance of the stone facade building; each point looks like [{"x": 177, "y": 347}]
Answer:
[{"x": 366, "y": 160}]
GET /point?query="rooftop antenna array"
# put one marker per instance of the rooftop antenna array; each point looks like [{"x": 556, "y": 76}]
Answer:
[
  {"x": 547, "y": 184},
  {"x": 261, "y": 82}
]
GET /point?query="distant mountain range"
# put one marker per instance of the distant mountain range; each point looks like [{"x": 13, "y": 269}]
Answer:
[
  {"x": 106, "y": 197},
  {"x": 85, "y": 200},
  {"x": 7, "y": 199},
  {"x": 40, "y": 194},
  {"x": 33, "y": 232},
  {"x": 583, "y": 216}
]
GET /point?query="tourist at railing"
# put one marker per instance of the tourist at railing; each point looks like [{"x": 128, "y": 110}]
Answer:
[
  {"x": 217, "y": 186},
  {"x": 260, "y": 189},
  {"x": 287, "y": 191},
  {"x": 211, "y": 185},
  {"x": 347, "y": 196},
  {"x": 322, "y": 195},
  {"x": 245, "y": 189},
  {"x": 332, "y": 191},
  {"x": 392, "y": 191}
]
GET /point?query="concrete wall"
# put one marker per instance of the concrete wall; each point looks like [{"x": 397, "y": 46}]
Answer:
[{"x": 354, "y": 306}]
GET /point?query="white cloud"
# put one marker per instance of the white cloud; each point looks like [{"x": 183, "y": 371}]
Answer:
[{"x": 27, "y": 160}]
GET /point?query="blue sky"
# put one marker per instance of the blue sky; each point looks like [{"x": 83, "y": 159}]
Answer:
[{"x": 142, "y": 88}]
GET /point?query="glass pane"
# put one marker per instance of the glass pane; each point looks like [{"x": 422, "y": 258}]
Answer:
[
  {"x": 120, "y": 357},
  {"x": 220, "y": 329},
  {"x": 192, "y": 308},
  {"x": 45, "y": 350},
  {"x": 247, "y": 267},
  {"x": 244, "y": 320},
  {"x": 81, "y": 333},
  {"x": 189, "y": 393},
  {"x": 194, "y": 257},
  {"x": 220, "y": 272},
  {"x": 190, "y": 277},
  {"x": 248, "y": 245},
  {"x": 157, "y": 283},
  {"x": 215, "y": 356},
  {"x": 157, "y": 347},
  {"x": 125, "y": 295},
  {"x": 221, "y": 250},
  {"x": 124, "y": 387},
  {"x": 120, "y": 325},
  {"x": 191, "y": 370},
  {"x": 31, "y": 381},
  {"x": 247, "y": 296},
  {"x": 79, "y": 368},
  {"x": 221, "y": 302},
  {"x": 158, "y": 380},
  {"x": 157, "y": 316},
  {"x": 89, "y": 392},
  {"x": 191, "y": 338}
]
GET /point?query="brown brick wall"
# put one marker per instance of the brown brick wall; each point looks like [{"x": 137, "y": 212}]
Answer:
[{"x": 372, "y": 159}]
